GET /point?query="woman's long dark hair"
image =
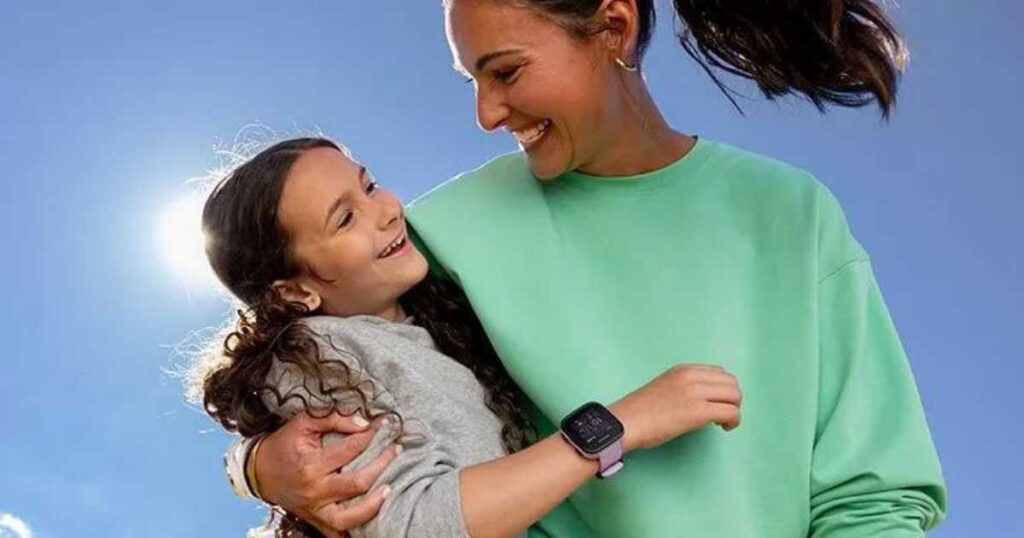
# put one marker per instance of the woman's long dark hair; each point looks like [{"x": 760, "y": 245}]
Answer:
[
  {"x": 844, "y": 52},
  {"x": 249, "y": 250}
]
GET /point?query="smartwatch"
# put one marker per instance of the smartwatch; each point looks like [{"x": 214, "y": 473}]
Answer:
[{"x": 597, "y": 435}]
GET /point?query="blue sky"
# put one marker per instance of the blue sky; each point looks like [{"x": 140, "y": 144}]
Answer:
[{"x": 110, "y": 107}]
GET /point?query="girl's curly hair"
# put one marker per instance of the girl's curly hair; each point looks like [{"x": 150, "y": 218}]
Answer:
[{"x": 249, "y": 250}]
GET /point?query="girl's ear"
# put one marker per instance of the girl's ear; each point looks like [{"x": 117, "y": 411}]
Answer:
[{"x": 296, "y": 292}]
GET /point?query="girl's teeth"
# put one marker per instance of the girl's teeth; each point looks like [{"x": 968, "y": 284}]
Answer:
[{"x": 392, "y": 247}]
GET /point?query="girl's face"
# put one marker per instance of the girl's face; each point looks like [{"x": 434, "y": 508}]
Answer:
[
  {"x": 559, "y": 95},
  {"x": 348, "y": 235}
]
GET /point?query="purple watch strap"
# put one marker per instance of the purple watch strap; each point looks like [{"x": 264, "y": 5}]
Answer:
[{"x": 610, "y": 460}]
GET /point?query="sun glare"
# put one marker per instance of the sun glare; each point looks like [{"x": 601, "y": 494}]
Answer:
[
  {"x": 13, "y": 527},
  {"x": 180, "y": 241}
]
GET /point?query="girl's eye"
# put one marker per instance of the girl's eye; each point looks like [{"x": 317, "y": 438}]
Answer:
[
  {"x": 370, "y": 188},
  {"x": 345, "y": 220}
]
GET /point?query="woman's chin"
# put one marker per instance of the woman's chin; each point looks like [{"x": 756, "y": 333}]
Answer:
[{"x": 547, "y": 169}]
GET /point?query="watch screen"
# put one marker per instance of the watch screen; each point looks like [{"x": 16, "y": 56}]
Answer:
[{"x": 592, "y": 428}]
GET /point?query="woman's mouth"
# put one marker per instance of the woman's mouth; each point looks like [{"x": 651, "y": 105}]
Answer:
[
  {"x": 399, "y": 246},
  {"x": 530, "y": 136}
]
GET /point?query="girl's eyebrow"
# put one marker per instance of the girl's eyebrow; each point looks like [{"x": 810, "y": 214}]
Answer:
[{"x": 342, "y": 199}]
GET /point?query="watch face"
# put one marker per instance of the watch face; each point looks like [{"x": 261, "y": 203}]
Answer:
[{"x": 592, "y": 428}]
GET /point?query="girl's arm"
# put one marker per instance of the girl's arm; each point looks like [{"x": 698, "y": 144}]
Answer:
[
  {"x": 538, "y": 478},
  {"x": 425, "y": 501},
  {"x": 534, "y": 481}
]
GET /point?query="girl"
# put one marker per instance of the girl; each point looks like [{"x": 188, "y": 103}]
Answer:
[{"x": 341, "y": 315}]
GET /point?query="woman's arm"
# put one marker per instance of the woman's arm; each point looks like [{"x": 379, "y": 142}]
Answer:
[
  {"x": 874, "y": 468},
  {"x": 315, "y": 492}
]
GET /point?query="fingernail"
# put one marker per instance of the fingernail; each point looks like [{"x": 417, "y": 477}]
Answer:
[
  {"x": 398, "y": 450},
  {"x": 385, "y": 491},
  {"x": 360, "y": 422}
]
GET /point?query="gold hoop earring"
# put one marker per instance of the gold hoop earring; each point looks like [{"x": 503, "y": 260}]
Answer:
[{"x": 622, "y": 63}]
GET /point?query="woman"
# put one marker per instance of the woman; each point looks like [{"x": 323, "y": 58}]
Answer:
[
  {"x": 614, "y": 245},
  {"x": 341, "y": 315}
]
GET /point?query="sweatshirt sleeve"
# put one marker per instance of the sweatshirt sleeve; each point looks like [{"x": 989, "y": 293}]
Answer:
[
  {"x": 425, "y": 498},
  {"x": 425, "y": 490},
  {"x": 874, "y": 470}
]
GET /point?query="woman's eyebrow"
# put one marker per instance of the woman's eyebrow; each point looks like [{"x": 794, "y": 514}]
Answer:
[
  {"x": 343, "y": 198},
  {"x": 482, "y": 62}
]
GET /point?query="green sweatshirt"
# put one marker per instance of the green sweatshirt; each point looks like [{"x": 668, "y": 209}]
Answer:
[{"x": 590, "y": 287}]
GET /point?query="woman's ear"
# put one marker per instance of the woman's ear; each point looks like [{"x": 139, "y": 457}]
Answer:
[
  {"x": 621, "y": 23},
  {"x": 294, "y": 291}
]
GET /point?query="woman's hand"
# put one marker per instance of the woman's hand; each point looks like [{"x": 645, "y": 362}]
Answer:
[
  {"x": 297, "y": 472},
  {"x": 683, "y": 399}
]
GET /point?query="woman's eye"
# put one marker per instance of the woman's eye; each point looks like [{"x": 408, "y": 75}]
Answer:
[
  {"x": 371, "y": 187},
  {"x": 506, "y": 75}
]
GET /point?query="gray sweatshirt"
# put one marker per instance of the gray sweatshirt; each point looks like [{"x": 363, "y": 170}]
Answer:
[{"x": 447, "y": 424}]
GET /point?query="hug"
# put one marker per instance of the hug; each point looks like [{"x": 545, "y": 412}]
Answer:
[{"x": 621, "y": 330}]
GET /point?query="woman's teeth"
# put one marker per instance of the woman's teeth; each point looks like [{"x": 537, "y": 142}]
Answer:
[
  {"x": 395, "y": 245},
  {"x": 532, "y": 134}
]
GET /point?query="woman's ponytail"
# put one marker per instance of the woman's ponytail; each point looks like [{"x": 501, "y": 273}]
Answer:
[{"x": 844, "y": 52}]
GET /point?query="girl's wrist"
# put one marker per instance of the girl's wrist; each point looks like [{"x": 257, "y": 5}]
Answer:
[{"x": 622, "y": 411}]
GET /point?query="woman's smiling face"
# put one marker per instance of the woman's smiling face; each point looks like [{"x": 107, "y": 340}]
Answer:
[
  {"x": 556, "y": 92},
  {"x": 349, "y": 236}
]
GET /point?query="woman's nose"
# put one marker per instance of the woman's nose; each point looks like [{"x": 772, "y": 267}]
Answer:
[{"x": 491, "y": 111}]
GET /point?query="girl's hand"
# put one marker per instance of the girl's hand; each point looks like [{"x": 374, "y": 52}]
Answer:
[{"x": 683, "y": 399}]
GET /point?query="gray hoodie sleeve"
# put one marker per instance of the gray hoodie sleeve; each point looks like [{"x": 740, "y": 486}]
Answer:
[{"x": 425, "y": 499}]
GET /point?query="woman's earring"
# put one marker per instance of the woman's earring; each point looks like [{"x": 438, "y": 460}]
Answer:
[{"x": 622, "y": 63}]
